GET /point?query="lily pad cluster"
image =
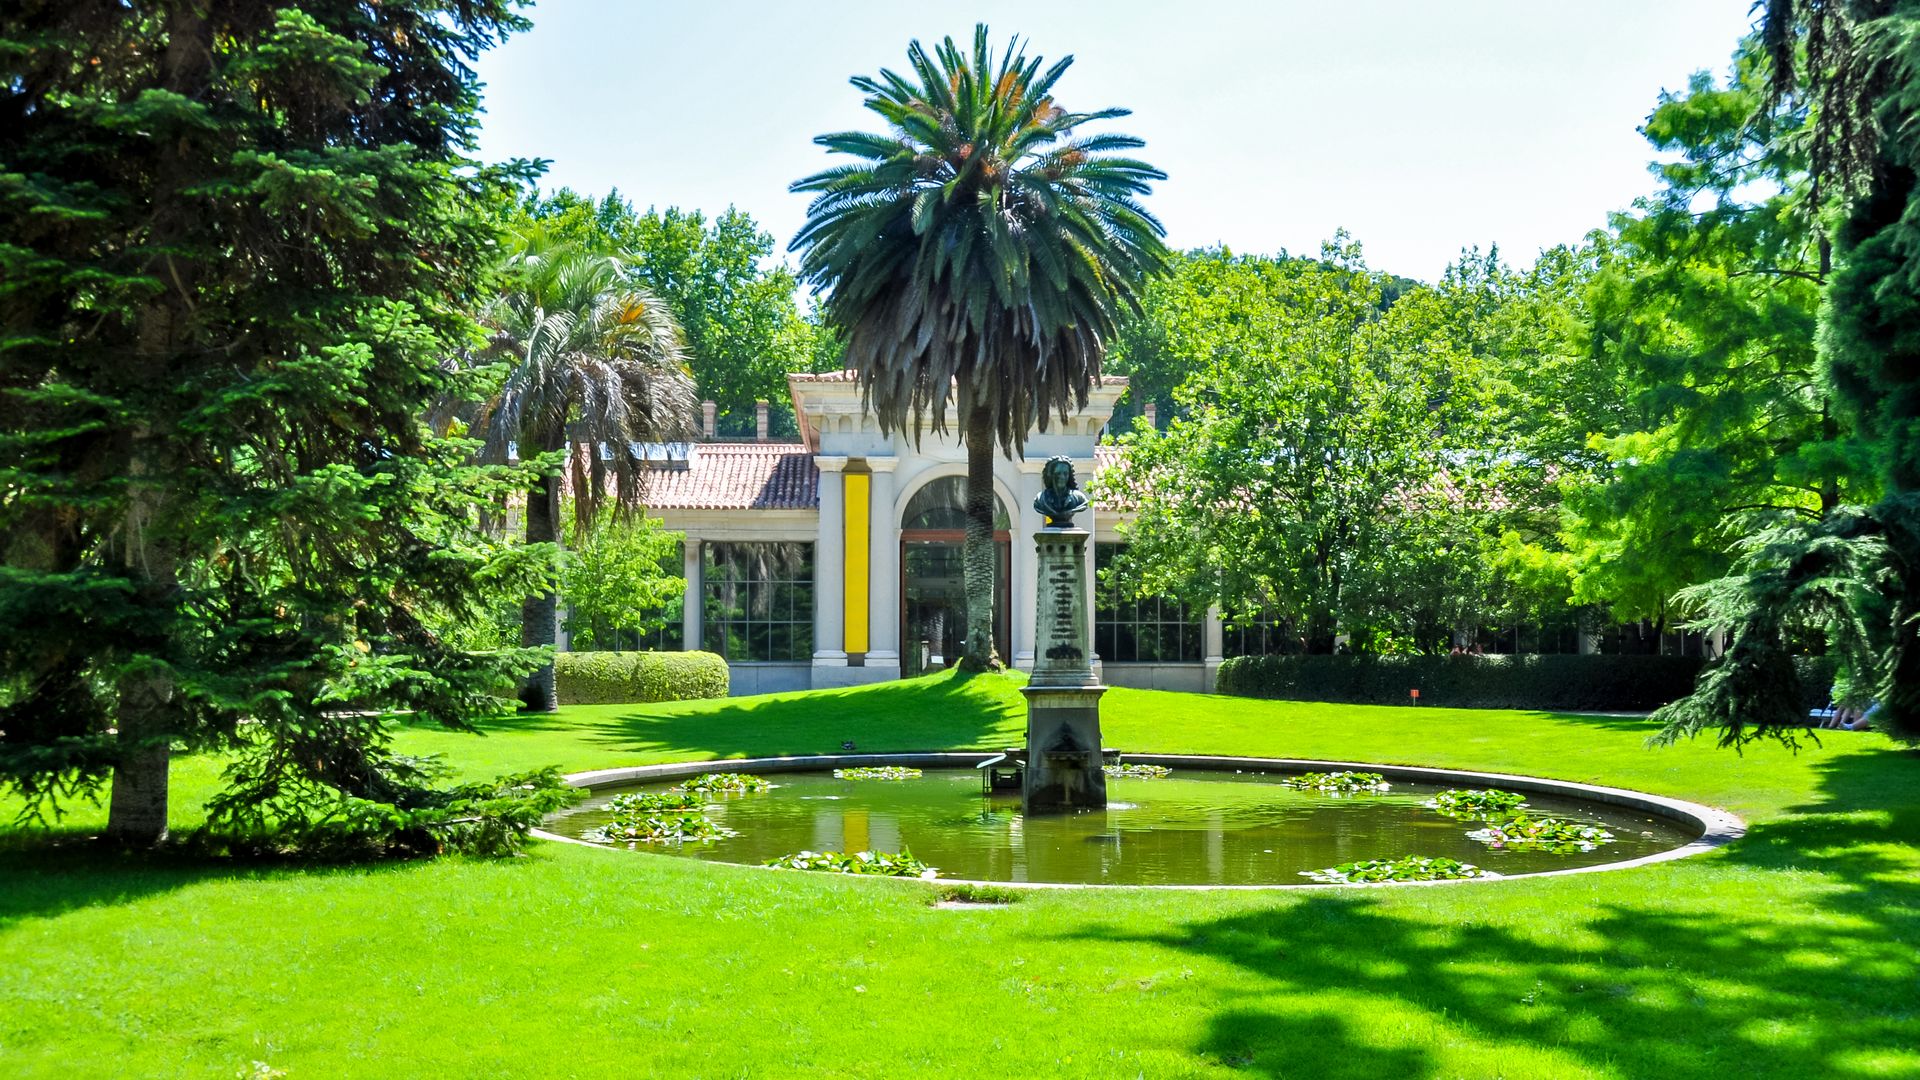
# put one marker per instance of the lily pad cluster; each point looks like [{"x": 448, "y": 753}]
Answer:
[
  {"x": 871, "y": 863},
  {"x": 727, "y": 783},
  {"x": 1477, "y": 803},
  {"x": 1405, "y": 868},
  {"x": 1338, "y": 783},
  {"x": 1522, "y": 833},
  {"x": 677, "y": 815},
  {"x": 641, "y": 803},
  {"x": 1137, "y": 772},
  {"x": 659, "y": 829},
  {"x": 877, "y": 772}
]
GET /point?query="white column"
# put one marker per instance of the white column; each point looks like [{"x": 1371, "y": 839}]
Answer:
[
  {"x": 883, "y": 562},
  {"x": 830, "y": 566},
  {"x": 1213, "y": 634},
  {"x": 1024, "y": 565},
  {"x": 691, "y": 605}
]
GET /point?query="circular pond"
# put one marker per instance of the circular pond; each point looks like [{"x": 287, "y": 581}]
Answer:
[{"x": 1194, "y": 827}]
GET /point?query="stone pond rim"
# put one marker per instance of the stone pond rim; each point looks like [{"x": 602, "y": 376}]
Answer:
[{"x": 1716, "y": 827}]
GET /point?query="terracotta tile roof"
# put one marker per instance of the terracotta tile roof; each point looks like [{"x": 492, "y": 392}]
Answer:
[{"x": 738, "y": 476}]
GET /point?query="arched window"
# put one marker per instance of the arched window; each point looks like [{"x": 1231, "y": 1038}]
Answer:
[{"x": 941, "y": 506}]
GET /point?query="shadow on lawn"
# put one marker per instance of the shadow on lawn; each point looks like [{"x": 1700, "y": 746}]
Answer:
[
  {"x": 1695, "y": 976},
  {"x": 66, "y": 872},
  {"x": 946, "y": 711}
]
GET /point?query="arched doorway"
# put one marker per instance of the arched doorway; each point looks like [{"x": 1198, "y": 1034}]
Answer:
[{"x": 933, "y": 589}]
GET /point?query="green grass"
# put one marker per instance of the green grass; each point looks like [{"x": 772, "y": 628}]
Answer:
[{"x": 1794, "y": 952}]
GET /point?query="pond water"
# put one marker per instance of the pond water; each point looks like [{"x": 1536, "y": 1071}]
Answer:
[{"x": 1194, "y": 827}]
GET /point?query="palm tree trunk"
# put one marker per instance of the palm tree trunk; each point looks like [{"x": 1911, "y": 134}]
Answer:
[
  {"x": 540, "y": 615},
  {"x": 977, "y": 555}
]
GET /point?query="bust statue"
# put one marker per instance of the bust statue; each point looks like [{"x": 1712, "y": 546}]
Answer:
[{"x": 1060, "y": 497}]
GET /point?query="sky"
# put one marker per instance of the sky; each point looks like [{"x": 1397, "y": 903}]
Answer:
[{"x": 1422, "y": 128}]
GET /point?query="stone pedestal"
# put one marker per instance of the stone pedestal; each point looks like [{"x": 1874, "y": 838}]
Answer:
[{"x": 1063, "y": 696}]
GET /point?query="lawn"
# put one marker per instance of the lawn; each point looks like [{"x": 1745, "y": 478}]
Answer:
[{"x": 1794, "y": 952}]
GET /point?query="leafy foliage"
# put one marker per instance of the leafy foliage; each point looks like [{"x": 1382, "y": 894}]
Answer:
[
  {"x": 1705, "y": 301},
  {"x": 1405, "y": 868},
  {"x": 490, "y": 818},
  {"x": 874, "y": 863},
  {"x": 615, "y": 572},
  {"x": 878, "y": 772},
  {"x": 1338, "y": 783},
  {"x": 1329, "y": 467},
  {"x": 1523, "y": 833},
  {"x": 744, "y": 330},
  {"x": 1137, "y": 772}
]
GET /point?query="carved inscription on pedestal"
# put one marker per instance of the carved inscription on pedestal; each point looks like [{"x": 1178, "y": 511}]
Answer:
[{"x": 1063, "y": 605}]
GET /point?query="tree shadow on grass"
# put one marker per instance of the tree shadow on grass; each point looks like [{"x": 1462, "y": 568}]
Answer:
[
  {"x": 945, "y": 711},
  {"x": 1641, "y": 992},
  {"x": 1321, "y": 1044},
  {"x": 64, "y": 872},
  {"x": 1683, "y": 970}
]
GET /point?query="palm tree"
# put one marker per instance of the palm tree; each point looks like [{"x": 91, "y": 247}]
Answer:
[
  {"x": 977, "y": 257},
  {"x": 597, "y": 367}
]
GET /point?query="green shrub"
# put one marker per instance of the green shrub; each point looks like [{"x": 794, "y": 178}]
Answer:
[
  {"x": 1605, "y": 683},
  {"x": 618, "y": 678}
]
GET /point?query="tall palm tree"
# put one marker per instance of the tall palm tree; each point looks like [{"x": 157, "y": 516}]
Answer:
[
  {"x": 596, "y": 367},
  {"x": 977, "y": 257}
]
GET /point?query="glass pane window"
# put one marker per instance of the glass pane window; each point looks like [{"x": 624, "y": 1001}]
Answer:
[
  {"x": 757, "y": 601},
  {"x": 1140, "y": 630}
]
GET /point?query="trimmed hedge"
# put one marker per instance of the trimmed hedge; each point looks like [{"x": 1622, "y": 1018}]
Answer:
[
  {"x": 618, "y": 678},
  {"x": 1572, "y": 683}
]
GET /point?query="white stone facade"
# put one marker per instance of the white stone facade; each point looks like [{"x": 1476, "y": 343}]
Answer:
[{"x": 737, "y": 494}]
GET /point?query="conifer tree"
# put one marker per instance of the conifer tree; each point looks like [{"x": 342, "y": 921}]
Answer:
[{"x": 235, "y": 242}]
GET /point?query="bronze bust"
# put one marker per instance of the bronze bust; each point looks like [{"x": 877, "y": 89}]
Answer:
[{"x": 1060, "y": 497}]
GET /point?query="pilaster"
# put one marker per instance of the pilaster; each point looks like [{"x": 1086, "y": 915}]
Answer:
[
  {"x": 829, "y": 565},
  {"x": 883, "y": 561},
  {"x": 692, "y": 603}
]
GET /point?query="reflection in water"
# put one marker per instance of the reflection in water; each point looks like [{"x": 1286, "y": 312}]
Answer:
[{"x": 1192, "y": 828}]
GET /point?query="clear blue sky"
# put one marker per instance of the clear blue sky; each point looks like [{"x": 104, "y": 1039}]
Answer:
[{"x": 1421, "y": 127}]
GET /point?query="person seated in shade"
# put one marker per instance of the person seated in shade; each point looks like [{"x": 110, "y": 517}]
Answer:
[{"x": 1862, "y": 721}]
